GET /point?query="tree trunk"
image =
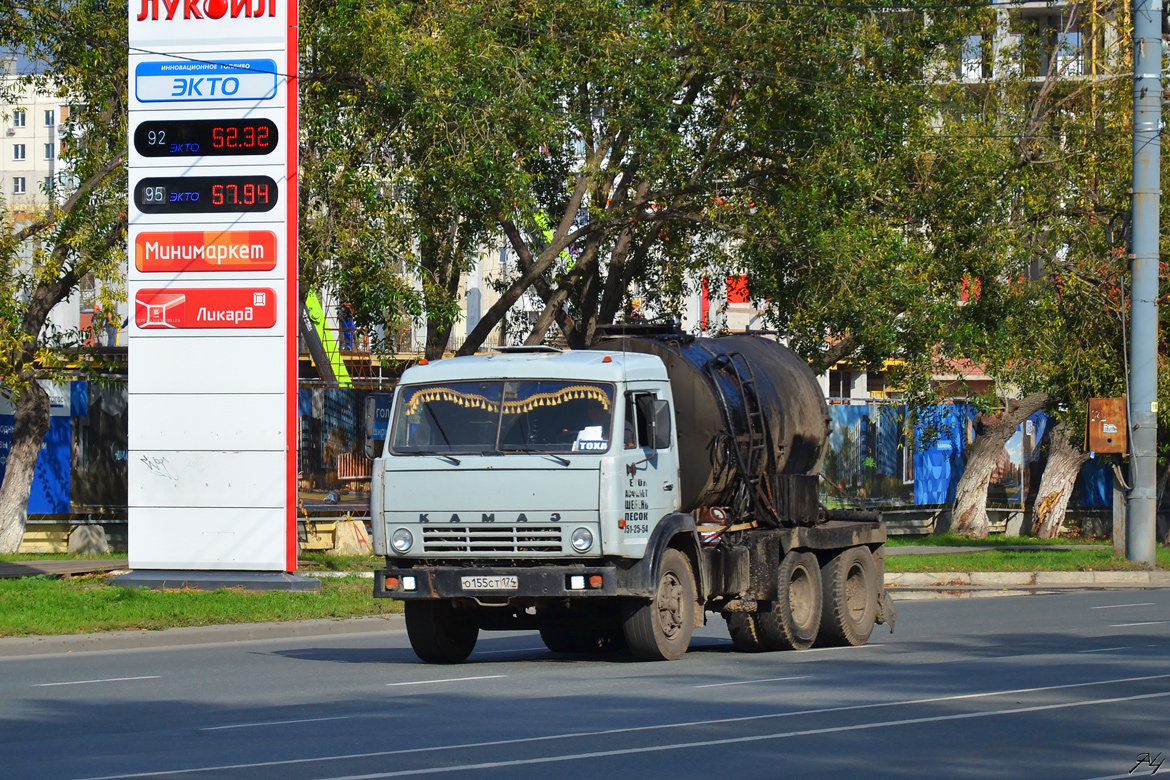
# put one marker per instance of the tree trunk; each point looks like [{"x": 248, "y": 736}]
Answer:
[
  {"x": 28, "y": 434},
  {"x": 1056, "y": 485},
  {"x": 438, "y": 334},
  {"x": 969, "y": 512}
]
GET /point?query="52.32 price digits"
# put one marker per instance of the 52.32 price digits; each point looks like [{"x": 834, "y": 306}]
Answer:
[{"x": 245, "y": 137}]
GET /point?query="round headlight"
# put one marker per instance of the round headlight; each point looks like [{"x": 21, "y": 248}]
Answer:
[
  {"x": 402, "y": 540},
  {"x": 582, "y": 539}
]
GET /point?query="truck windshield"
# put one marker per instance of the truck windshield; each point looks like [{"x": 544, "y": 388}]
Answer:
[{"x": 501, "y": 417}]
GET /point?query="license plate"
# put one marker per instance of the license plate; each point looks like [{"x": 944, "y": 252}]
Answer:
[{"x": 490, "y": 583}]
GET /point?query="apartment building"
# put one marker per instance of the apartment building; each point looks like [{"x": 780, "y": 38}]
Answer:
[
  {"x": 32, "y": 124},
  {"x": 30, "y": 143}
]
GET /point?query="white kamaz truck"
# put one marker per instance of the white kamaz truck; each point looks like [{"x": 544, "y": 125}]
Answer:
[{"x": 614, "y": 496}]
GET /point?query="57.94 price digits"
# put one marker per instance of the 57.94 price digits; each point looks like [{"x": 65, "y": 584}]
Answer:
[{"x": 247, "y": 194}]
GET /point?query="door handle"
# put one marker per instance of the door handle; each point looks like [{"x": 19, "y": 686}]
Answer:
[{"x": 668, "y": 486}]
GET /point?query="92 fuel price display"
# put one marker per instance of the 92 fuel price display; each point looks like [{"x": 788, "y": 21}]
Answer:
[
  {"x": 206, "y": 137},
  {"x": 205, "y": 194}
]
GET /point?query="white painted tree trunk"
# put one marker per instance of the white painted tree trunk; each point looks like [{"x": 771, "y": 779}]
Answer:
[
  {"x": 969, "y": 512},
  {"x": 1056, "y": 485},
  {"x": 28, "y": 434}
]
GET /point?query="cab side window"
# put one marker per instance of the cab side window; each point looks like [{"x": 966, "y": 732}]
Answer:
[{"x": 637, "y": 428}]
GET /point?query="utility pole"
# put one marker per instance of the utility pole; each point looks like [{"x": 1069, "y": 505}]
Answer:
[{"x": 1141, "y": 506}]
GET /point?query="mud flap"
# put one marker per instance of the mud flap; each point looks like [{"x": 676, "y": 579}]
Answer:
[{"x": 886, "y": 614}]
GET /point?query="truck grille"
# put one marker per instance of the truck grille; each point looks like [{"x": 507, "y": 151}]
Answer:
[{"x": 492, "y": 539}]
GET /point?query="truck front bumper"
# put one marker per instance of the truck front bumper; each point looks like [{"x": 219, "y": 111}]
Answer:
[{"x": 548, "y": 581}]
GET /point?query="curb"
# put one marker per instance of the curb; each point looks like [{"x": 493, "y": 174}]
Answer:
[
  {"x": 1027, "y": 579},
  {"x": 13, "y": 647}
]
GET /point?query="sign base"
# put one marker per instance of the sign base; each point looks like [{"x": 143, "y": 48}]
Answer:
[{"x": 214, "y": 580}]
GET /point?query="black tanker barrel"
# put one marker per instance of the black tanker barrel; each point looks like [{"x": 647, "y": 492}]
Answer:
[{"x": 790, "y": 399}]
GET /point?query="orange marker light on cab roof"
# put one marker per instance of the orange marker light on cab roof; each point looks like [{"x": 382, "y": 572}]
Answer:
[
  {"x": 607, "y": 359},
  {"x": 423, "y": 362}
]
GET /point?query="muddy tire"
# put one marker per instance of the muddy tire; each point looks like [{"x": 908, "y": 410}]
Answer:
[
  {"x": 745, "y": 632},
  {"x": 850, "y": 591},
  {"x": 794, "y": 619},
  {"x": 660, "y": 629},
  {"x": 439, "y": 633}
]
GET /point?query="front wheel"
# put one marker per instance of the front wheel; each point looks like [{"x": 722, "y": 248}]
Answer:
[
  {"x": 439, "y": 633},
  {"x": 660, "y": 629}
]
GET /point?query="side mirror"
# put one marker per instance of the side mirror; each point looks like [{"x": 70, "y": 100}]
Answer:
[
  {"x": 661, "y": 432},
  {"x": 376, "y": 423}
]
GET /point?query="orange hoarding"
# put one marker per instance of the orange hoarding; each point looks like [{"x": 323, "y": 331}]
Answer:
[{"x": 231, "y": 250}]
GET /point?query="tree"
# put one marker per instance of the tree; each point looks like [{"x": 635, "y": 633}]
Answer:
[
  {"x": 412, "y": 105},
  {"x": 78, "y": 51},
  {"x": 616, "y": 147}
]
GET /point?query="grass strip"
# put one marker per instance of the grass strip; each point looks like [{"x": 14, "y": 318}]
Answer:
[
  {"x": 78, "y": 605},
  {"x": 1066, "y": 558},
  {"x": 951, "y": 539}
]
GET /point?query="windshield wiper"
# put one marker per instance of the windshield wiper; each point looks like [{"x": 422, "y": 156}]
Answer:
[
  {"x": 530, "y": 451},
  {"x": 432, "y": 453}
]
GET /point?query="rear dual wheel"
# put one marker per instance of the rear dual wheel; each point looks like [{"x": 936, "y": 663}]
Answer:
[
  {"x": 792, "y": 620},
  {"x": 850, "y": 591}
]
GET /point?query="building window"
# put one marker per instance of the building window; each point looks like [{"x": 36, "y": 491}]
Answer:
[
  {"x": 840, "y": 383},
  {"x": 50, "y": 117},
  {"x": 18, "y": 151},
  {"x": 974, "y": 62},
  {"x": 48, "y": 183},
  {"x": 48, "y": 151},
  {"x": 17, "y": 185},
  {"x": 18, "y": 119},
  {"x": 1068, "y": 54}
]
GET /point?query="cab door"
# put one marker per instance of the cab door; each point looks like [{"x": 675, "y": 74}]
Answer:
[{"x": 650, "y": 489}]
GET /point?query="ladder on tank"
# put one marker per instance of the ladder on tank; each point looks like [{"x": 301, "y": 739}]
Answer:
[{"x": 750, "y": 448}]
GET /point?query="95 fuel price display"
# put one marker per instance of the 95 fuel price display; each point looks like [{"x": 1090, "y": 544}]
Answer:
[
  {"x": 205, "y": 194},
  {"x": 206, "y": 137}
]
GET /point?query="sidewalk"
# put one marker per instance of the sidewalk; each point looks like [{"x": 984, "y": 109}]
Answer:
[{"x": 10, "y": 569}]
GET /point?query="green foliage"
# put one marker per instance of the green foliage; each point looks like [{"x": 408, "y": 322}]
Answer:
[{"x": 77, "y": 49}]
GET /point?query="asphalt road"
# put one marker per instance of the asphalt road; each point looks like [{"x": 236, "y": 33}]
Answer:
[{"x": 1070, "y": 686}]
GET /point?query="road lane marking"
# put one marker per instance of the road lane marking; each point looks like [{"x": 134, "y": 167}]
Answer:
[
  {"x": 628, "y": 730},
  {"x": 450, "y": 680},
  {"x": 1103, "y": 650},
  {"x": 881, "y": 724},
  {"x": 1147, "y": 623},
  {"x": 847, "y": 647},
  {"x": 748, "y": 682},
  {"x": 1126, "y": 776},
  {"x": 90, "y": 682},
  {"x": 1119, "y": 606},
  {"x": 272, "y": 723}
]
